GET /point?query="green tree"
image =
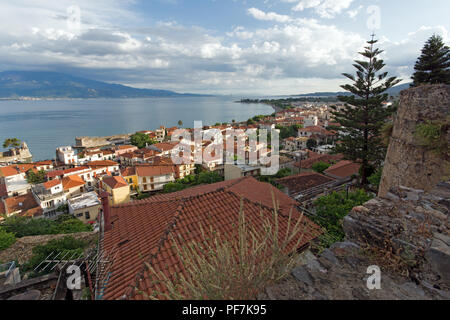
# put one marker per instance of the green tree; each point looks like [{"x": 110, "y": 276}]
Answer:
[
  {"x": 433, "y": 65},
  {"x": 141, "y": 140},
  {"x": 180, "y": 123},
  {"x": 320, "y": 166},
  {"x": 364, "y": 115},
  {"x": 7, "y": 239},
  {"x": 11, "y": 142},
  {"x": 36, "y": 178},
  {"x": 173, "y": 187},
  {"x": 207, "y": 177},
  {"x": 311, "y": 144}
]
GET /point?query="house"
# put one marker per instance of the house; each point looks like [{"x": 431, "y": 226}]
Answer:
[
  {"x": 14, "y": 182},
  {"x": 117, "y": 188},
  {"x": 46, "y": 165},
  {"x": 104, "y": 167},
  {"x": 66, "y": 155},
  {"x": 305, "y": 165},
  {"x": 85, "y": 207},
  {"x": 130, "y": 176},
  {"x": 301, "y": 183},
  {"x": 310, "y": 121},
  {"x": 343, "y": 169},
  {"x": 119, "y": 150},
  {"x": 23, "y": 206},
  {"x": 295, "y": 144},
  {"x": 235, "y": 171},
  {"x": 73, "y": 186},
  {"x": 154, "y": 177},
  {"x": 142, "y": 230},
  {"x": 160, "y": 134},
  {"x": 181, "y": 170},
  {"x": 49, "y": 196}
]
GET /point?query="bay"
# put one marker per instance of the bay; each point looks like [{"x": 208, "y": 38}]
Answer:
[{"x": 47, "y": 124}]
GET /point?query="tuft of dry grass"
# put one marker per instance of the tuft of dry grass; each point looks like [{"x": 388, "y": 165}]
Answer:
[{"x": 231, "y": 267}]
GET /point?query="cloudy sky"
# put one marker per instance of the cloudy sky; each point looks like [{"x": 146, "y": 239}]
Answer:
[{"x": 243, "y": 47}]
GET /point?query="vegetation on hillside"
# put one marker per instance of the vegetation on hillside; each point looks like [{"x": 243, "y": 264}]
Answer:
[
  {"x": 331, "y": 210},
  {"x": 24, "y": 226}
]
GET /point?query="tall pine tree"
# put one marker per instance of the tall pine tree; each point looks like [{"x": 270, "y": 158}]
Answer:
[
  {"x": 433, "y": 65},
  {"x": 363, "y": 114}
]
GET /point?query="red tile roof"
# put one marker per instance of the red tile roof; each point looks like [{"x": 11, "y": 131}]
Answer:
[
  {"x": 128, "y": 171},
  {"x": 304, "y": 181},
  {"x": 315, "y": 157},
  {"x": 151, "y": 171},
  {"x": 140, "y": 229},
  {"x": 343, "y": 169},
  {"x": 50, "y": 184},
  {"x": 115, "y": 182},
  {"x": 55, "y": 173},
  {"x": 76, "y": 169},
  {"x": 72, "y": 182},
  {"x": 8, "y": 171},
  {"x": 25, "y": 205},
  {"x": 102, "y": 163}
]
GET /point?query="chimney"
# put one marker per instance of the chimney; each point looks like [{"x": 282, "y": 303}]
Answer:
[{"x": 106, "y": 211}]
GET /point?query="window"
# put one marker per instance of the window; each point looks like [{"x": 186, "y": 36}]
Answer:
[
  {"x": 144, "y": 180},
  {"x": 87, "y": 215}
]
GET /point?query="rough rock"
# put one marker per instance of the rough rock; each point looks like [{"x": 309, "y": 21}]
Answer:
[{"x": 407, "y": 163}]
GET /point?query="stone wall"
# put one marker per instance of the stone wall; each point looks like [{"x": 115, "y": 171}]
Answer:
[{"x": 407, "y": 163}]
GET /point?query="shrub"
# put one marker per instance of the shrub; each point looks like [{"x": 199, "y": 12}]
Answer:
[
  {"x": 67, "y": 245},
  {"x": 433, "y": 135},
  {"x": 7, "y": 239},
  {"x": 331, "y": 210},
  {"x": 232, "y": 267},
  {"x": 24, "y": 226},
  {"x": 320, "y": 166}
]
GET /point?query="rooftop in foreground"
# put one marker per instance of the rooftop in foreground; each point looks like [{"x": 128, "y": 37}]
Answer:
[{"x": 140, "y": 229}]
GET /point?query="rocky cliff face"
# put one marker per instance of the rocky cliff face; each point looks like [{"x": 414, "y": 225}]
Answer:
[{"x": 407, "y": 163}]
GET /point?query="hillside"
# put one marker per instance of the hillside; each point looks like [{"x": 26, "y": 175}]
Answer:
[
  {"x": 392, "y": 92},
  {"x": 15, "y": 84}
]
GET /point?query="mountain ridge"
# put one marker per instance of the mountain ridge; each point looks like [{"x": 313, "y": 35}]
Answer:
[
  {"x": 55, "y": 85},
  {"x": 392, "y": 92}
]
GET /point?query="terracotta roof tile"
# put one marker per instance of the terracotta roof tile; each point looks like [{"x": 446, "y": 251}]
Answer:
[
  {"x": 115, "y": 182},
  {"x": 140, "y": 229},
  {"x": 102, "y": 163},
  {"x": 128, "y": 171},
  {"x": 8, "y": 171},
  {"x": 150, "y": 171},
  {"x": 26, "y": 205},
  {"x": 343, "y": 169},
  {"x": 304, "y": 181},
  {"x": 73, "y": 181},
  {"x": 50, "y": 184}
]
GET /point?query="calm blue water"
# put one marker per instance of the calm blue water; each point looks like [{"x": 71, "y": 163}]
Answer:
[{"x": 46, "y": 125}]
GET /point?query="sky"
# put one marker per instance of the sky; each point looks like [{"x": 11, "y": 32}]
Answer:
[{"x": 239, "y": 47}]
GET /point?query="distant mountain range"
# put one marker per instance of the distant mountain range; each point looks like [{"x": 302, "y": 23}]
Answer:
[
  {"x": 394, "y": 91},
  {"x": 47, "y": 85}
]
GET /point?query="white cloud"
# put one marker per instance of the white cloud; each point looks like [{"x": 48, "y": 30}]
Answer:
[
  {"x": 269, "y": 16},
  {"x": 324, "y": 8}
]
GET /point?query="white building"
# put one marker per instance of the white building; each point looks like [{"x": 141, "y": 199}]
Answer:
[
  {"x": 66, "y": 155},
  {"x": 15, "y": 182},
  {"x": 49, "y": 195},
  {"x": 311, "y": 121}
]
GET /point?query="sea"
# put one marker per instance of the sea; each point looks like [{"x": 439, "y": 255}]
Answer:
[{"x": 47, "y": 124}]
